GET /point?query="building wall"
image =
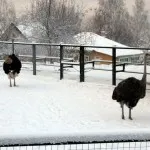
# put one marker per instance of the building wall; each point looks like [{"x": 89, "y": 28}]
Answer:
[
  {"x": 100, "y": 56},
  {"x": 137, "y": 58}
]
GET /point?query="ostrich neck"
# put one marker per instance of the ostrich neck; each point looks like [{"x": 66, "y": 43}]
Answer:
[{"x": 144, "y": 74}]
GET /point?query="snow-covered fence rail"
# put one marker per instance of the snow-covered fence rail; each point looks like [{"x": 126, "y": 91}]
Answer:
[
  {"x": 104, "y": 140},
  {"x": 81, "y": 50},
  {"x": 44, "y": 59}
]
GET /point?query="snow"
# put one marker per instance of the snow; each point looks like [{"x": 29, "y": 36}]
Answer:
[
  {"x": 26, "y": 30},
  {"x": 44, "y": 109},
  {"x": 33, "y": 31},
  {"x": 83, "y": 138},
  {"x": 90, "y": 38}
]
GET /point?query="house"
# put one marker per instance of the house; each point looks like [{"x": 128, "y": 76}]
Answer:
[
  {"x": 12, "y": 32},
  {"x": 92, "y": 39}
]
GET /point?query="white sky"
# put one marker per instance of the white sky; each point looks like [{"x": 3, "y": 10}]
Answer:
[{"x": 21, "y": 5}]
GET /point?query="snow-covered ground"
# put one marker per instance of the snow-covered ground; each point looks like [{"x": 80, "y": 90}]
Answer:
[{"x": 44, "y": 105}]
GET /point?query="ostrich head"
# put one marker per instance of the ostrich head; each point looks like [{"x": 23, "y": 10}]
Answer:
[{"x": 8, "y": 59}]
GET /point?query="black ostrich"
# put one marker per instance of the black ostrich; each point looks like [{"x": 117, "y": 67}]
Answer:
[
  {"x": 130, "y": 91},
  {"x": 12, "y": 67}
]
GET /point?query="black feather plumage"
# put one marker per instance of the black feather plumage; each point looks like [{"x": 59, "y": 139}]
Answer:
[
  {"x": 12, "y": 66},
  {"x": 15, "y": 66},
  {"x": 129, "y": 91}
]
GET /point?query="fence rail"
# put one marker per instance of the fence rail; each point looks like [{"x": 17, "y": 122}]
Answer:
[{"x": 73, "y": 45}]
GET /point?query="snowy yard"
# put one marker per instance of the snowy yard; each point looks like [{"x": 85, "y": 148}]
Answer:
[{"x": 44, "y": 105}]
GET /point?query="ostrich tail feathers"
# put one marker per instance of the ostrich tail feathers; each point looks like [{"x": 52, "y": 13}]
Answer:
[{"x": 114, "y": 95}]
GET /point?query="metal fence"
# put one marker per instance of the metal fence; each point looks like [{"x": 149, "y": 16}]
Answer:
[
  {"x": 126, "y": 145},
  {"x": 35, "y": 49},
  {"x": 113, "y": 140}
]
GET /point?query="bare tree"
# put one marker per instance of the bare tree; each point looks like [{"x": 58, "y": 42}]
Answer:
[
  {"x": 7, "y": 14},
  {"x": 53, "y": 21},
  {"x": 60, "y": 20},
  {"x": 140, "y": 25},
  {"x": 113, "y": 18}
]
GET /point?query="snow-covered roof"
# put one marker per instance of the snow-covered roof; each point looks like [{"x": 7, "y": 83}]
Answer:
[
  {"x": 90, "y": 38},
  {"x": 26, "y": 30},
  {"x": 32, "y": 31}
]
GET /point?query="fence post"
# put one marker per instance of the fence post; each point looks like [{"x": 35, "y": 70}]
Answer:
[
  {"x": 124, "y": 67},
  {"x": 13, "y": 47},
  {"x": 114, "y": 66},
  {"x": 93, "y": 64},
  {"x": 81, "y": 63},
  {"x": 61, "y": 64},
  {"x": 34, "y": 58}
]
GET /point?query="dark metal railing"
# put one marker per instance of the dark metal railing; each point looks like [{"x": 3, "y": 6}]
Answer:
[{"x": 81, "y": 54}]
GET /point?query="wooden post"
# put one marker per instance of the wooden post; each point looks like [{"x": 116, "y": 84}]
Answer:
[
  {"x": 61, "y": 64},
  {"x": 34, "y": 58},
  {"x": 81, "y": 63},
  {"x": 13, "y": 47},
  {"x": 93, "y": 64},
  {"x": 114, "y": 66},
  {"x": 124, "y": 67}
]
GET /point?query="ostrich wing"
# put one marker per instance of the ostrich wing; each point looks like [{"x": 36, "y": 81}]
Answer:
[{"x": 128, "y": 89}]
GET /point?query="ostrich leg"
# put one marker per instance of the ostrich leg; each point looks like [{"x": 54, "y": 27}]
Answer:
[
  {"x": 130, "y": 114},
  {"x": 122, "y": 107},
  {"x": 14, "y": 82},
  {"x": 10, "y": 82}
]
